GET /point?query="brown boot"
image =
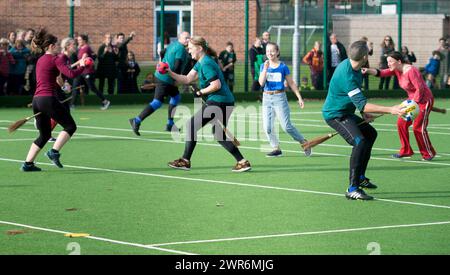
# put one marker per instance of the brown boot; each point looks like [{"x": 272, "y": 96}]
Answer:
[
  {"x": 242, "y": 167},
  {"x": 180, "y": 164}
]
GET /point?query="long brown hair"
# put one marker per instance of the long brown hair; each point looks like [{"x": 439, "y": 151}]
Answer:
[
  {"x": 42, "y": 40},
  {"x": 200, "y": 41}
]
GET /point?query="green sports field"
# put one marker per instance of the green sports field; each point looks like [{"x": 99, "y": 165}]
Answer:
[{"x": 117, "y": 187}]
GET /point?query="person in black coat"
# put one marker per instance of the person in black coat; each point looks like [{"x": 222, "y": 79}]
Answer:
[
  {"x": 336, "y": 53},
  {"x": 108, "y": 55},
  {"x": 130, "y": 72}
]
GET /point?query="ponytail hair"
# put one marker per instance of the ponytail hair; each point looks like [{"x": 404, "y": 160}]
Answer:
[
  {"x": 42, "y": 40},
  {"x": 200, "y": 41},
  {"x": 66, "y": 42},
  {"x": 85, "y": 37}
]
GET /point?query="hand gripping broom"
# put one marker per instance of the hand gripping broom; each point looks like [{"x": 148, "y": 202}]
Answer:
[
  {"x": 318, "y": 140},
  {"x": 16, "y": 125},
  {"x": 224, "y": 129}
]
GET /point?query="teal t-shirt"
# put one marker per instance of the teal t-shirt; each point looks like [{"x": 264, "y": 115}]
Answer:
[
  {"x": 208, "y": 71},
  {"x": 344, "y": 92},
  {"x": 174, "y": 51}
]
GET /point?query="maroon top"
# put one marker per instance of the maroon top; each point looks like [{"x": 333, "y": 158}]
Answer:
[
  {"x": 86, "y": 50},
  {"x": 5, "y": 60},
  {"x": 48, "y": 68}
]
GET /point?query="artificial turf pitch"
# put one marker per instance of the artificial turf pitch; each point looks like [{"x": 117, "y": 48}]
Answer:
[{"x": 118, "y": 188}]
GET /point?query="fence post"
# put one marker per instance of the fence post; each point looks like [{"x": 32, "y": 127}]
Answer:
[
  {"x": 325, "y": 44},
  {"x": 161, "y": 26},
  {"x": 400, "y": 12},
  {"x": 72, "y": 19},
  {"x": 246, "y": 47}
]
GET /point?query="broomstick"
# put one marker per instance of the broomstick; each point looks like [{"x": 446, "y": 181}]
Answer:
[
  {"x": 16, "y": 125},
  {"x": 318, "y": 140},
  {"x": 224, "y": 129},
  {"x": 439, "y": 110}
]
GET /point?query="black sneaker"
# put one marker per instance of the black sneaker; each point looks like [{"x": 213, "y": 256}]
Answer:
[
  {"x": 274, "y": 153},
  {"x": 134, "y": 126},
  {"x": 54, "y": 157},
  {"x": 358, "y": 194},
  {"x": 365, "y": 183},
  {"x": 30, "y": 168},
  {"x": 172, "y": 128}
]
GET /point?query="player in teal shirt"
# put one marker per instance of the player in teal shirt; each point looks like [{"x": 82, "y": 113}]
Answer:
[
  {"x": 176, "y": 57},
  {"x": 344, "y": 97},
  {"x": 219, "y": 104}
]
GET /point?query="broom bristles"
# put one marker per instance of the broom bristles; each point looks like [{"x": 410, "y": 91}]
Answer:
[{"x": 16, "y": 125}]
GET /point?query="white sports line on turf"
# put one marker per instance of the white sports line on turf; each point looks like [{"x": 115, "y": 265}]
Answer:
[
  {"x": 225, "y": 183},
  {"x": 210, "y": 136},
  {"x": 302, "y": 233},
  {"x": 97, "y": 238}
]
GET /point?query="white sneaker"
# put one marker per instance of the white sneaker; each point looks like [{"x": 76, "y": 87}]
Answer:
[
  {"x": 106, "y": 105},
  {"x": 308, "y": 152}
]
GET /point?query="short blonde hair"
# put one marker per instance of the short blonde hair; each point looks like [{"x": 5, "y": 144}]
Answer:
[{"x": 66, "y": 42}]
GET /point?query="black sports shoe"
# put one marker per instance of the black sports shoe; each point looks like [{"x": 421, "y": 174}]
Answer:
[
  {"x": 54, "y": 157},
  {"x": 134, "y": 126},
  {"x": 30, "y": 168},
  {"x": 358, "y": 194},
  {"x": 365, "y": 183},
  {"x": 274, "y": 153},
  {"x": 172, "y": 128}
]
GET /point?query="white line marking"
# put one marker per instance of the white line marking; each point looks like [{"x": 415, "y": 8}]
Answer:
[
  {"x": 97, "y": 238},
  {"x": 225, "y": 182},
  {"x": 303, "y": 233},
  {"x": 208, "y": 136}
]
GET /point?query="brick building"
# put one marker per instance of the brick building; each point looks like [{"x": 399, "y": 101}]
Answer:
[{"x": 218, "y": 21}]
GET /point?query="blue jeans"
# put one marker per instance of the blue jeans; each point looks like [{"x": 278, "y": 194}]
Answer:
[{"x": 277, "y": 105}]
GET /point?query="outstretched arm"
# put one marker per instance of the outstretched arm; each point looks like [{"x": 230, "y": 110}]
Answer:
[{"x": 184, "y": 79}]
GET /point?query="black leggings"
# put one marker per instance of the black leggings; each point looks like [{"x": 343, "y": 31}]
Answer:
[
  {"x": 89, "y": 79},
  {"x": 361, "y": 137},
  {"x": 50, "y": 107},
  {"x": 210, "y": 113}
]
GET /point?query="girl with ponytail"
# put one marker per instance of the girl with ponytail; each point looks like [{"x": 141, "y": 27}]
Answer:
[
  {"x": 45, "y": 100},
  {"x": 219, "y": 104}
]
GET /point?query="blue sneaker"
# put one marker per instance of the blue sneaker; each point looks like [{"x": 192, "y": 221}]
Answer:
[
  {"x": 30, "y": 168},
  {"x": 274, "y": 153},
  {"x": 54, "y": 157},
  {"x": 398, "y": 156},
  {"x": 427, "y": 159}
]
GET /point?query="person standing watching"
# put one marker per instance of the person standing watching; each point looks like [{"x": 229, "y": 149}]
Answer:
[
  {"x": 106, "y": 67},
  {"x": 6, "y": 59},
  {"x": 227, "y": 60},
  {"x": 336, "y": 54}
]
